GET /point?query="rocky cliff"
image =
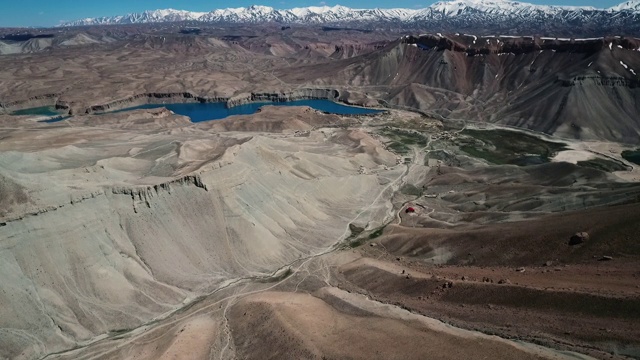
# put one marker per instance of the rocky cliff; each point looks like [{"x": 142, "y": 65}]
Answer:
[
  {"x": 151, "y": 98},
  {"x": 298, "y": 94}
]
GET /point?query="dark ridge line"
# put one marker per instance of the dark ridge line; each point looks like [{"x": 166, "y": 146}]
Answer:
[{"x": 526, "y": 44}]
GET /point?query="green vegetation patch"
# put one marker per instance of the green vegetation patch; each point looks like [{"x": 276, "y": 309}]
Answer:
[
  {"x": 377, "y": 232},
  {"x": 410, "y": 189},
  {"x": 355, "y": 230},
  {"x": 603, "y": 165},
  {"x": 355, "y": 241},
  {"x": 400, "y": 141},
  {"x": 398, "y": 147},
  {"x": 119, "y": 332},
  {"x": 632, "y": 156},
  {"x": 508, "y": 147}
]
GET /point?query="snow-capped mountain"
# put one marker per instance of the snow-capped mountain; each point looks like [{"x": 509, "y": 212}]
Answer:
[
  {"x": 502, "y": 7},
  {"x": 251, "y": 14},
  {"x": 505, "y": 14},
  {"x": 165, "y": 15},
  {"x": 627, "y": 6},
  {"x": 258, "y": 14}
]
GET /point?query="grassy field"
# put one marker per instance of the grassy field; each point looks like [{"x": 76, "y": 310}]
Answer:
[
  {"x": 508, "y": 147},
  {"x": 410, "y": 189},
  {"x": 400, "y": 141}
]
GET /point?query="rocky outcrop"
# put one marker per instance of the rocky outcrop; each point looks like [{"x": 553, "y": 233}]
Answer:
[
  {"x": 151, "y": 98},
  {"x": 345, "y": 51},
  {"x": 610, "y": 81},
  {"x": 145, "y": 193},
  {"x": 63, "y": 105},
  {"x": 579, "y": 238},
  {"x": 139, "y": 194},
  {"x": 34, "y": 101},
  {"x": 299, "y": 94}
]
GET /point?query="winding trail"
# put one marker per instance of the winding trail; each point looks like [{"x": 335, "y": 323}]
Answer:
[{"x": 393, "y": 185}]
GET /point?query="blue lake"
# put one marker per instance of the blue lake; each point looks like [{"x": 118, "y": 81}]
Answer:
[
  {"x": 219, "y": 110},
  {"x": 42, "y": 110},
  {"x": 49, "y": 111}
]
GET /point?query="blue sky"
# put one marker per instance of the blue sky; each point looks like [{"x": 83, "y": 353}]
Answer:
[{"x": 51, "y": 12}]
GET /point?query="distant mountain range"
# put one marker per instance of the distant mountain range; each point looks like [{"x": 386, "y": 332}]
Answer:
[{"x": 475, "y": 14}]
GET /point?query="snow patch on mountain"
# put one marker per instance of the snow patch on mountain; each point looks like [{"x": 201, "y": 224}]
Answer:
[
  {"x": 633, "y": 6},
  {"x": 457, "y": 7}
]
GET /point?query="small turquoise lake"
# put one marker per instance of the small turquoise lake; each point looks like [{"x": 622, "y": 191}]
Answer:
[
  {"x": 198, "y": 112},
  {"x": 43, "y": 111}
]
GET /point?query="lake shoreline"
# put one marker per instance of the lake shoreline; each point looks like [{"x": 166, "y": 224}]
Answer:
[
  {"x": 211, "y": 111},
  {"x": 199, "y": 112}
]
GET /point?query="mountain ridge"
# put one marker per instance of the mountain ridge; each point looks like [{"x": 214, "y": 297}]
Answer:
[{"x": 490, "y": 9}]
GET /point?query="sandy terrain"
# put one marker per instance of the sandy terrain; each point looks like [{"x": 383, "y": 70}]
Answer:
[
  {"x": 378, "y": 331},
  {"x": 589, "y": 150},
  {"x": 521, "y": 280},
  {"x": 118, "y": 224}
]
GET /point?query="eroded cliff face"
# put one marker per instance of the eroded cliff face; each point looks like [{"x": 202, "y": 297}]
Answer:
[
  {"x": 33, "y": 101},
  {"x": 350, "y": 50},
  {"x": 151, "y": 98},
  {"x": 298, "y": 94}
]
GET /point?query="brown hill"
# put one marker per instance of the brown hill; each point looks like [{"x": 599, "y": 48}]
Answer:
[{"x": 579, "y": 88}]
